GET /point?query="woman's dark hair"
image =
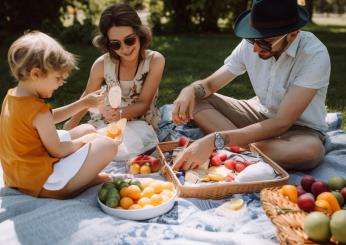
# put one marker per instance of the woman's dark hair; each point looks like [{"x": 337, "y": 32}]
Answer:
[{"x": 121, "y": 14}]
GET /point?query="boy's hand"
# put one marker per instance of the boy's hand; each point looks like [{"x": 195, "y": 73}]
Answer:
[
  {"x": 95, "y": 99},
  {"x": 89, "y": 137}
]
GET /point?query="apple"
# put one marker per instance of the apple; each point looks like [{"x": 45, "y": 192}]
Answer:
[
  {"x": 216, "y": 161},
  {"x": 182, "y": 141},
  {"x": 343, "y": 193},
  {"x": 318, "y": 187},
  {"x": 230, "y": 164},
  {"x": 239, "y": 167},
  {"x": 306, "y": 182},
  {"x": 301, "y": 191},
  {"x": 306, "y": 202}
]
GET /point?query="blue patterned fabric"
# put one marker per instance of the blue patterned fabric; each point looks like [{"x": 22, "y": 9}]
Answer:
[{"x": 28, "y": 220}]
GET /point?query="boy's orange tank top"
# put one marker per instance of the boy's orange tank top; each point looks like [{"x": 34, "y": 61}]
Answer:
[{"x": 25, "y": 161}]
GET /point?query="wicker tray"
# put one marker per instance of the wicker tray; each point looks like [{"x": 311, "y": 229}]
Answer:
[
  {"x": 286, "y": 216},
  {"x": 219, "y": 190}
]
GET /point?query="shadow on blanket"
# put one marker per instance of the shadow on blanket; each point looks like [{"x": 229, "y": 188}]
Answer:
[{"x": 28, "y": 220}]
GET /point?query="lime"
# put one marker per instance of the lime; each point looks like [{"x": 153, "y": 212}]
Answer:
[
  {"x": 136, "y": 182},
  {"x": 122, "y": 185},
  {"x": 236, "y": 204},
  {"x": 339, "y": 197},
  {"x": 108, "y": 185},
  {"x": 117, "y": 182},
  {"x": 112, "y": 198},
  {"x": 103, "y": 195}
]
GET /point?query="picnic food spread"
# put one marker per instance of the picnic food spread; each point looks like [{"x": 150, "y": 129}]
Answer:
[{"x": 232, "y": 164}]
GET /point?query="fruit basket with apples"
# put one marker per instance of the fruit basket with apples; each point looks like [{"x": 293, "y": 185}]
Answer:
[
  {"x": 219, "y": 180},
  {"x": 312, "y": 213}
]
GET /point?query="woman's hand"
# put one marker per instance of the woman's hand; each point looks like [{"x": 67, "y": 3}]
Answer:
[
  {"x": 110, "y": 114},
  {"x": 94, "y": 99},
  {"x": 183, "y": 106},
  {"x": 196, "y": 154}
]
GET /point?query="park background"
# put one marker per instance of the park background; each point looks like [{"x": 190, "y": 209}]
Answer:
[{"x": 195, "y": 36}]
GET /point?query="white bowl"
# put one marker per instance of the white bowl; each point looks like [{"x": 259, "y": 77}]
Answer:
[{"x": 140, "y": 214}]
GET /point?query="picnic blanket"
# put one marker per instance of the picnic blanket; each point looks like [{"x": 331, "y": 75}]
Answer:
[{"x": 28, "y": 220}]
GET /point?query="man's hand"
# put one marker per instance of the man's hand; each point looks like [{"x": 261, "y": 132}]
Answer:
[
  {"x": 183, "y": 106},
  {"x": 94, "y": 99},
  {"x": 196, "y": 154}
]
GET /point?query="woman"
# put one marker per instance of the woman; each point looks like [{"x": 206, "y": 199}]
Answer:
[{"x": 128, "y": 63}]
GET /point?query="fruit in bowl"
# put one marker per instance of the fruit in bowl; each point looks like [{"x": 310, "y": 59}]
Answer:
[
  {"x": 137, "y": 199},
  {"x": 144, "y": 164}
]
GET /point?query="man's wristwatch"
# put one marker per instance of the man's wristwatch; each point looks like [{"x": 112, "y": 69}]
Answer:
[{"x": 219, "y": 142}]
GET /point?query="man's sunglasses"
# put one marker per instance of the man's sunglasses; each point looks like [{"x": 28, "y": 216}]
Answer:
[
  {"x": 116, "y": 45},
  {"x": 264, "y": 44}
]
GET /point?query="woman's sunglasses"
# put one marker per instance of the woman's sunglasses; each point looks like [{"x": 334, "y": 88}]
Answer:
[
  {"x": 264, "y": 44},
  {"x": 116, "y": 45}
]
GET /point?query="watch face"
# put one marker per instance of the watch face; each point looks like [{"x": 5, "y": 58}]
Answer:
[{"x": 219, "y": 143}]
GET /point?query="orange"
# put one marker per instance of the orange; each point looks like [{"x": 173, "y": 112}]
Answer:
[
  {"x": 164, "y": 198},
  {"x": 168, "y": 186},
  {"x": 113, "y": 131},
  {"x": 323, "y": 206},
  {"x": 146, "y": 182},
  {"x": 145, "y": 169},
  {"x": 157, "y": 186},
  {"x": 148, "y": 192},
  {"x": 126, "y": 202},
  {"x": 331, "y": 199},
  {"x": 124, "y": 192},
  {"x": 134, "y": 168},
  {"x": 134, "y": 192},
  {"x": 144, "y": 201},
  {"x": 167, "y": 193},
  {"x": 156, "y": 199},
  {"x": 290, "y": 191},
  {"x": 135, "y": 206}
]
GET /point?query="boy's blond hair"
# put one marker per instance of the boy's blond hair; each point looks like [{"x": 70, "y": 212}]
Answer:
[{"x": 38, "y": 50}]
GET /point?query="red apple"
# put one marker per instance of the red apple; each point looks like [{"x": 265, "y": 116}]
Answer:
[
  {"x": 230, "y": 164},
  {"x": 343, "y": 193},
  {"x": 216, "y": 161},
  {"x": 182, "y": 141},
  {"x": 318, "y": 187},
  {"x": 239, "y": 167},
  {"x": 306, "y": 182},
  {"x": 301, "y": 191},
  {"x": 155, "y": 165},
  {"x": 306, "y": 202}
]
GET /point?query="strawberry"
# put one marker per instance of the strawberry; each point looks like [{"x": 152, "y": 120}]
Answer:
[
  {"x": 216, "y": 161},
  {"x": 214, "y": 153},
  {"x": 223, "y": 156},
  {"x": 230, "y": 164},
  {"x": 182, "y": 141},
  {"x": 239, "y": 167},
  {"x": 229, "y": 178},
  {"x": 235, "y": 149}
]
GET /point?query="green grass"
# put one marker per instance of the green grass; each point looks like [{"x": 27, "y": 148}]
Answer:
[{"x": 189, "y": 58}]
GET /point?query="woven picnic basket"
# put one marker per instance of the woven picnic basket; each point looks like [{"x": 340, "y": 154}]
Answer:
[
  {"x": 219, "y": 190},
  {"x": 286, "y": 216}
]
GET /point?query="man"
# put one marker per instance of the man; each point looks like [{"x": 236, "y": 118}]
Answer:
[{"x": 289, "y": 70}]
